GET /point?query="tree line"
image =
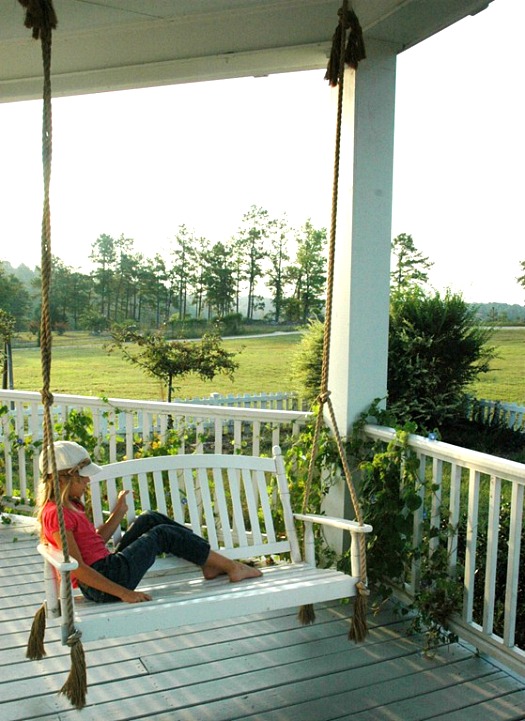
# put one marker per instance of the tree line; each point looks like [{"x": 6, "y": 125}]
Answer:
[{"x": 194, "y": 278}]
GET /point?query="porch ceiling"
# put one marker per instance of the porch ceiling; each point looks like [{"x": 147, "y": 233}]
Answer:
[{"x": 104, "y": 45}]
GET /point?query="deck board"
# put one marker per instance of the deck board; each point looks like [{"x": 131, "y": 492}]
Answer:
[{"x": 264, "y": 667}]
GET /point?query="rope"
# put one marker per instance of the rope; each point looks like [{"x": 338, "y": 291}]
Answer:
[
  {"x": 41, "y": 17},
  {"x": 335, "y": 75}
]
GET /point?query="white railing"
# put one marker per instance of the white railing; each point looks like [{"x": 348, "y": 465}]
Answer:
[
  {"x": 480, "y": 498},
  {"x": 122, "y": 428},
  {"x": 474, "y": 490}
]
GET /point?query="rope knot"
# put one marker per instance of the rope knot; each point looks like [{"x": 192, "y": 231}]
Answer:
[
  {"x": 74, "y": 638},
  {"x": 323, "y": 397},
  {"x": 47, "y": 397},
  {"x": 352, "y": 53},
  {"x": 40, "y": 16},
  {"x": 362, "y": 588}
]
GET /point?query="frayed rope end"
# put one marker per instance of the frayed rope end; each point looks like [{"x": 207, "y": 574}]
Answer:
[{"x": 35, "y": 644}]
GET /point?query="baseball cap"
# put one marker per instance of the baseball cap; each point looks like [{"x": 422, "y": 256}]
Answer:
[{"x": 68, "y": 455}]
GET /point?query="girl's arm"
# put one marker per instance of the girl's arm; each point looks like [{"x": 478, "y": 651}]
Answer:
[
  {"x": 108, "y": 528},
  {"x": 89, "y": 577}
]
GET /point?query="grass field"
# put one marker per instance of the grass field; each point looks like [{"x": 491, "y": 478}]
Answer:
[{"x": 82, "y": 366}]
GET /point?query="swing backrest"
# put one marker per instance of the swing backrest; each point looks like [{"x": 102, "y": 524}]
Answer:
[{"x": 241, "y": 504}]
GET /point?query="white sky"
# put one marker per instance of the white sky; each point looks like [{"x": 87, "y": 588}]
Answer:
[{"x": 142, "y": 162}]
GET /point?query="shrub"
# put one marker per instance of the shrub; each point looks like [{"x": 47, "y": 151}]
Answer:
[
  {"x": 436, "y": 349},
  {"x": 307, "y": 364}
]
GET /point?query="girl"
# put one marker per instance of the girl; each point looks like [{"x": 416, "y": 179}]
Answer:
[{"x": 111, "y": 576}]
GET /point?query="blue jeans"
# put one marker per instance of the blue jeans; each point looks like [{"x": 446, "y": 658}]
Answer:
[{"x": 149, "y": 535}]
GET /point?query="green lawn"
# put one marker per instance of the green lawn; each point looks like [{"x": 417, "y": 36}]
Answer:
[
  {"x": 82, "y": 366},
  {"x": 506, "y": 379}
]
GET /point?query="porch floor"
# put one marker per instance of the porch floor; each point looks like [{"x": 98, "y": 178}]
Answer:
[{"x": 260, "y": 667}]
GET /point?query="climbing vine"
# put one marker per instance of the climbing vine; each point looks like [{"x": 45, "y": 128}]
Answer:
[{"x": 392, "y": 490}]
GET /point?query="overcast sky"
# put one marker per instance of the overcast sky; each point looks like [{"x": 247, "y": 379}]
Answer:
[{"x": 140, "y": 163}]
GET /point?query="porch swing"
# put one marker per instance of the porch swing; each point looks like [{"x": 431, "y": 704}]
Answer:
[{"x": 225, "y": 496}]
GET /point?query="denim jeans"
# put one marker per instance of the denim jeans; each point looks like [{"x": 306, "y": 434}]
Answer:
[{"x": 149, "y": 535}]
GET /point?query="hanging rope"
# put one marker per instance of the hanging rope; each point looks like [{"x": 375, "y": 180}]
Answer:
[
  {"x": 347, "y": 19},
  {"x": 41, "y": 17}
]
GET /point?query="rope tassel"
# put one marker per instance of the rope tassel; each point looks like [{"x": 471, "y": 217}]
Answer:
[
  {"x": 306, "y": 614},
  {"x": 75, "y": 687},
  {"x": 35, "y": 644},
  {"x": 359, "y": 628}
]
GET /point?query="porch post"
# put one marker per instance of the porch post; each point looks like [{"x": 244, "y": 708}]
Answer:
[{"x": 359, "y": 340}]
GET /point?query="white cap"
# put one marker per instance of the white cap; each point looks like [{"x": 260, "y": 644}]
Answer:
[{"x": 69, "y": 454}]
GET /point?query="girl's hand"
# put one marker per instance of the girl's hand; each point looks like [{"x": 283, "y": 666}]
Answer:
[
  {"x": 135, "y": 596},
  {"x": 121, "y": 506}
]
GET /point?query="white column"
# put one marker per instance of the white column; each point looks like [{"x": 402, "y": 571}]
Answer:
[{"x": 359, "y": 339}]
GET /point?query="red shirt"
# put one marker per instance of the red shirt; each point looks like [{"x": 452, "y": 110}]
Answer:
[{"x": 90, "y": 544}]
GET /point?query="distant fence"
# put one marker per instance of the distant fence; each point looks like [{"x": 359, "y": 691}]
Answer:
[
  {"x": 509, "y": 415},
  {"x": 276, "y": 401}
]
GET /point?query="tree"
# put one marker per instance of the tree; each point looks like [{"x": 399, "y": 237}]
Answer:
[
  {"x": 199, "y": 254},
  {"x": 278, "y": 257},
  {"x": 307, "y": 274},
  {"x": 410, "y": 266},
  {"x": 521, "y": 278},
  {"x": 182, "y": 272},
  {"x": 254, "y": 231},
  {"x": 14, "y": 298},
  {"x": 7, "y": 327},
  {"x": 169, "y": 360},
  {"x": 218, "y": 279},
  {"x": 103, "y": 253}
]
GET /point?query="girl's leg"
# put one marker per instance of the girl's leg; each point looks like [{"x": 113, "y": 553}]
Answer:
[
  {"x": 153, "y": 533},
  {"x": 142, "y": 524}
]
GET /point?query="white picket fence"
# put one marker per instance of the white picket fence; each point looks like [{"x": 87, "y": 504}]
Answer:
[
  {"x": 510, "y": 415},
  {"x": 277, "y": 401}
]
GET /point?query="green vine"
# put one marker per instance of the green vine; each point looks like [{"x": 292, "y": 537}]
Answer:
[{"x": 391, "y": 492}]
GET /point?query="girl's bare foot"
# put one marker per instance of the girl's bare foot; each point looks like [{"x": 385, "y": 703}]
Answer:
[
  {"x": 240, "y": 571},
  {"x": 218, "y": 565}
]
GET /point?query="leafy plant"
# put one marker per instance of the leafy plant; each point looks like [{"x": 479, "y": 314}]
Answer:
[
  {"x": 436, "y": 349},
  {"x": 168, "y": 360},
  {"x": 391, "y": 492}
]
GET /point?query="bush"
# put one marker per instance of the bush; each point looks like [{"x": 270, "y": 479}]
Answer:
[
  {"x": 307, "y": 365},
  {"x": 436, "y": 349}
]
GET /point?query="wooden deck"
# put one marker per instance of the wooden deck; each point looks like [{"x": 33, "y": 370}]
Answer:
[{"x": 264, "y": 667}]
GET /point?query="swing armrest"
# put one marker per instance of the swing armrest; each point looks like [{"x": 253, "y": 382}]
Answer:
[
  {"x": 342, "y": 523},
  {"x": 56, "y": 558}
]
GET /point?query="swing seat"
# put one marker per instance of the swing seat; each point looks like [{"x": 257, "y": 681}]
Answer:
[{"x": 241, "y": 504}]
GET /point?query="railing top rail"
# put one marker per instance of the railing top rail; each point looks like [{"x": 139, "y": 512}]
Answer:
[
  {"x": 485, "y": 463},
  {"x": 184, "y": 409}
]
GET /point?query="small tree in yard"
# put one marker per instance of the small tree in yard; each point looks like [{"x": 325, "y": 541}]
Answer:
[{"x": 169, "y": 360}]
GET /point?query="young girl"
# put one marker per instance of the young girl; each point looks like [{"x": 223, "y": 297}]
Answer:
[{"x": 104, "y": 576}]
